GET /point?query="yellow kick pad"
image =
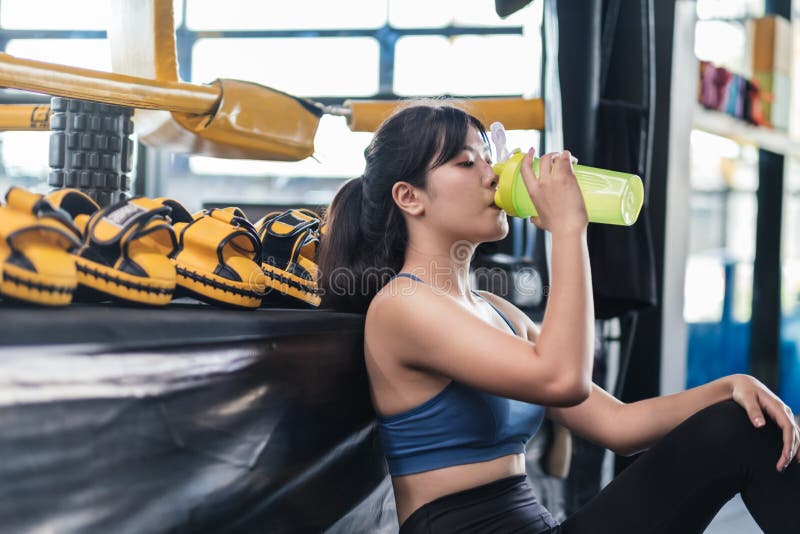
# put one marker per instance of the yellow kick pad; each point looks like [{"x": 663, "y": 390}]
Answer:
[
  {"x": 289, "y": 242},
  {"x": 35, "y": 240},
  {"x": 217, "y": 256},
  {"x": 126, "y": 247}
]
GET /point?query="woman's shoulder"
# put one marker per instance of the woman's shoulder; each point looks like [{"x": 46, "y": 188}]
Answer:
[
  {"x": 410, "y": 313},
  {"x": 403, "y": 319},
  {"x": 403, "y": 296},
  {"x": 400, "y": 296}
]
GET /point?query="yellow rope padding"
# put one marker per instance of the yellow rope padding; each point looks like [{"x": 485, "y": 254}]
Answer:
[
  {"x": 514, "y": 113},
  {"x": 107, "y": 87},
  {"x": 24, "y": 117}
]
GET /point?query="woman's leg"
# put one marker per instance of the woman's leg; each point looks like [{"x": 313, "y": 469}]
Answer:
[{"x": 681, "y": 483}]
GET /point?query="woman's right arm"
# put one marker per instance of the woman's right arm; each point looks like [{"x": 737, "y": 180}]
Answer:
[
  {"x": 568, "y": 323},
  {"x": 567, "y": 329},
  {"x": 429, "y": 331}
]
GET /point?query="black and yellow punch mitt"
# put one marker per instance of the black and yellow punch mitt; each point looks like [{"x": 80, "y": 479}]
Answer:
[
  {"x": 217, "y": 259},
  {"x": 125, "y": 250},
  {"x": 288, "y": 259},
  {"x": 35, "y": 240}
]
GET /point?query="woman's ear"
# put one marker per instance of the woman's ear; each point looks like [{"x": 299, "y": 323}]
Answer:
[{"x": 407, "y": 198}]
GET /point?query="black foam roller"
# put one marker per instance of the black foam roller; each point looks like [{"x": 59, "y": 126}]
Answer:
[{"x": 91, "y": 148}]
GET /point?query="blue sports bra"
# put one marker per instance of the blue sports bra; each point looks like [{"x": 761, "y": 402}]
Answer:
[{"x": 458, "y": 425}]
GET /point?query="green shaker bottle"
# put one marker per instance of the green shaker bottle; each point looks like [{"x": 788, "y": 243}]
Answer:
[{"x": 611, "y": 197}]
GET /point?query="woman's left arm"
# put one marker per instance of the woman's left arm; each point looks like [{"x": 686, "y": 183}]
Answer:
[{"x": 630, "y": 428}]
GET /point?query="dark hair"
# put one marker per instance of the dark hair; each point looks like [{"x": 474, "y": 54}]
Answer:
[{"x": 366, "y": 237}]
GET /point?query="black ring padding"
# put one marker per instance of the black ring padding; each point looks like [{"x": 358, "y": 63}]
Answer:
[
  {"x": 35, "y": 285},
  {"x": 215, "y": 284},
  {"x": 123, "y": 283}
]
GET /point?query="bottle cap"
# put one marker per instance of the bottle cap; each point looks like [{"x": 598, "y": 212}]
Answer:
[{"x": 498, "y": 135}]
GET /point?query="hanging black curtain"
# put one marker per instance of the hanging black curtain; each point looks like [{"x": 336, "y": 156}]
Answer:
[
  {"x": 623, "y": 270},
  {"x": 505, "y": 8}
]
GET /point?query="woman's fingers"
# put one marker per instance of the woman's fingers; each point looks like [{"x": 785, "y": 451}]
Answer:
[
  {"x": 757, "y": 400},
  {"x": 754, "y": 412},
  {"x": 797, "y": 435},
  {"x": 555, "y": 193},
  {"x": 526, "y": 171},
  {"x": 789, "y": 446},
  {"x": 546, "y": 165},
  {"x": 786, "y": 454},
  {"x": 793, "y": 451},
  {"x": 781, "y": 415},
  {"x": 797, "y": 454},
  {"x": 563, "y": 161},
  {"x": 538, "y": 223}
]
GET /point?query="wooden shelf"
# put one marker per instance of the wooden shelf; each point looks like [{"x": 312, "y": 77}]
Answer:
[{"x": 724, "y": 125}]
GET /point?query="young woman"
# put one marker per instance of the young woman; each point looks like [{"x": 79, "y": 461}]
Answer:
[{"x": 461, "y": 379}]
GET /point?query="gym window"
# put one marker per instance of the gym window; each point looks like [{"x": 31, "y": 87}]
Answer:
[{"x": 327, "y": 51}]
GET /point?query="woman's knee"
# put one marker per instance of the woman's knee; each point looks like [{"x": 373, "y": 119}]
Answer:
[{"x": 726, "y": 425}]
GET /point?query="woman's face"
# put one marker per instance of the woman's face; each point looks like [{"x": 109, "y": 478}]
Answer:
[{"x": 459, "y": 197}]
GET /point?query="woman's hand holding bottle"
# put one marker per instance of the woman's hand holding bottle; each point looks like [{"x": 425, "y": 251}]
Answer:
[{"x": 555, "y": 193}]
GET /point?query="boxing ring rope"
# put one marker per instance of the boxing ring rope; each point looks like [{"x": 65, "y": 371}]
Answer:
[{"x": 195, "y": 99}]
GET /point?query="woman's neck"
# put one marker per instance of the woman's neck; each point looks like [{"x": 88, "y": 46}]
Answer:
[{"x": 443, "y": 266}]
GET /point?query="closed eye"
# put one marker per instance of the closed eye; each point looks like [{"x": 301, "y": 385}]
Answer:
[{"x": 468, "y": 163}]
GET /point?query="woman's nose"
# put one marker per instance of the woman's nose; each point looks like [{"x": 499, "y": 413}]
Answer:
[{"x": 491, "y": 177}]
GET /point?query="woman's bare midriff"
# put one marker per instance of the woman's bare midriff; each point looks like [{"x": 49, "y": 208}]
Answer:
[{"x": 412, "y": 491}]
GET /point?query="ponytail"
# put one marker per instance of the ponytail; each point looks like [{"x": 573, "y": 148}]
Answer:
[{"x": 349, "y": 276}]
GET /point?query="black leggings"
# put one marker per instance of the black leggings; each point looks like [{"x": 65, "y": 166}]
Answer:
[{"x": 677, "y": 486}]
